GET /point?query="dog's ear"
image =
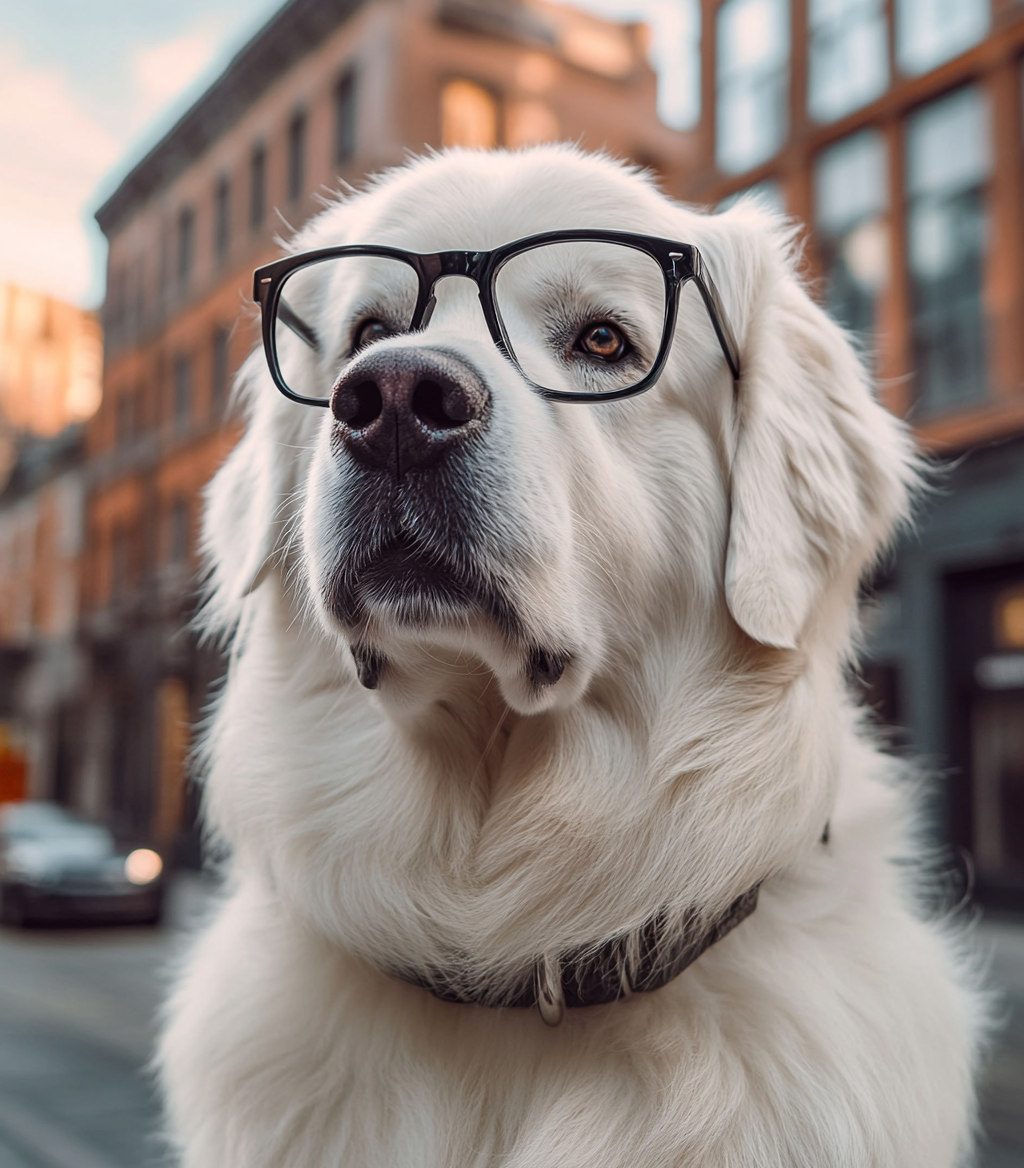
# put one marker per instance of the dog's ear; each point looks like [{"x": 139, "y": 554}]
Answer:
[
  {"x": 821, "y": 472},
  {"x": 246, "y": 508}
]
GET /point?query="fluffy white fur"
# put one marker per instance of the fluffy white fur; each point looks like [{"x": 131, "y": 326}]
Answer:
[{"x": 698, "y": 550}]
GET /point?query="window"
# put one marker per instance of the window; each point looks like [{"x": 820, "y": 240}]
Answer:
[
  {"x": 182, "y": 390},
  {"x": 929, "y": 32},
  {"x": 221, "y": 371},
  {"x": 222, "y": 218},
  {"x": 753, "y": 82},
  {"x": 469, "y": 115},
  {"x": 675, "y": 55},
  {"x": 178, "y": 525},
  {"x": 948, "y": 161},
  {"x": 296, "y": 155},
  {"x": 848, "y": 63},
  {"x": 345, "y": 117},
  {"x": 186, "y": 244},
  {"x": 125, "y": 418},
  {"x": 257, "y": 187},
  {"x": 119, "y": 549},
  {"x": 851, "y": 182}
]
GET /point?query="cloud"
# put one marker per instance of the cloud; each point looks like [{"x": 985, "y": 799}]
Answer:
[{"x": 54, "y": 154}]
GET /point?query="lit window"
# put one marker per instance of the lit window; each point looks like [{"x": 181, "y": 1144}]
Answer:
[
  {"x": 675, "y": 54},
  {"x": 469, "y": 115},
  {"x": 345, "y": 117},
  {"x": 929, "y": 32},
  {"x": 948, "y": 162},
  {"x": 296, "y": 156},
  {"x": 851, "y": 200},
  {"x": 848, "y": 57}
]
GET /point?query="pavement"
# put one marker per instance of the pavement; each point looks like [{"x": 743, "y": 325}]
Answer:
[{"x": 78, "y": 1015}]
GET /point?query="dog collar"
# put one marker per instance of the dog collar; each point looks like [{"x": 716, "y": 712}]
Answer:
[{"x": 638, "y": 962}]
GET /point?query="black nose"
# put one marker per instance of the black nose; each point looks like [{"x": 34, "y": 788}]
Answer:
[{"x": 404, "y": 408}]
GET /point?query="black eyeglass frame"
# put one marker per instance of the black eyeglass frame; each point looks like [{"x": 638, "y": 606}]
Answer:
[{"x": 679, "y": 262}]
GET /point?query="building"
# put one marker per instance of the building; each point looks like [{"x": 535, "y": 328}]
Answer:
[
  {"x": 327, "y": 89},
  {"x": 893, "y": 130},
  {"x": 50, "y": 366}
]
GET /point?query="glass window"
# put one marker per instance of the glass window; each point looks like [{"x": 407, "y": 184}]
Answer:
[
  {"x": 469, "y": 115},
  {"x": 178, "y": 535},
  {"x": 848, "y": 62},
  {"x": 257, "y": 187},
  {"x": 851, "y": 182},
  {"x": 222, "y": 218},
  {"x": 345, "y": 117},
  {"x": 929, "y": 32},
  {"x": 186, "y": 244},
  {"x": 221, "y": 370},
  {"x": 948, "y": 161},
  {"x": 753, "y": 82},
  {"x": 182, "y": 390},
  {"x": 296, "y": 155}
]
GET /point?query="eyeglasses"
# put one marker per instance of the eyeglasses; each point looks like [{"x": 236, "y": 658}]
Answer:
[{"x": 584, "y": 315}]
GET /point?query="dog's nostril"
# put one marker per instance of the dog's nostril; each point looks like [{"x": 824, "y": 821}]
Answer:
[
  {"x": 359, "y": 405},
  {"x": 440, "y": 408}
]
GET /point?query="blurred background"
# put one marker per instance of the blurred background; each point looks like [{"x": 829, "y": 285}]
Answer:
[{"x": 152, "y": 156}]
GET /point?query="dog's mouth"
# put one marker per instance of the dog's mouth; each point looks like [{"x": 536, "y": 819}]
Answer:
[{"x": 413, "y": 586}]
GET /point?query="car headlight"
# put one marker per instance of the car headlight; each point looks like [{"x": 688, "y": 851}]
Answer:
[{"x": 143, "y": 866}]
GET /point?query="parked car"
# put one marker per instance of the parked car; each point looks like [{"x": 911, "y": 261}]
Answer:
[{"x": 57, "y": 868}]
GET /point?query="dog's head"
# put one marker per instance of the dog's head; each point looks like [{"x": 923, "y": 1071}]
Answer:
[{"x": 659, "y": 563}]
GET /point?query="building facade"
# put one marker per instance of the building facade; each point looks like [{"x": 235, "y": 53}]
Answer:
[
  {"x": 327, "y": 90},
  {"x": 893, "y": 130}
]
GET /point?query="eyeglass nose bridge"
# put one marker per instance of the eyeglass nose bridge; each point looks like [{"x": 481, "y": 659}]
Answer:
[{"x": 468, "y": 264}]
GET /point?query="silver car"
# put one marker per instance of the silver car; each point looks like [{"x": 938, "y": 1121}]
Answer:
[{"x": 57, "y": 868}]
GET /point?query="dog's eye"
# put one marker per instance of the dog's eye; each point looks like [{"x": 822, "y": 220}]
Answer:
[
  {"x": 602, "y": 340},
  {"x": 369, "y": 331}
]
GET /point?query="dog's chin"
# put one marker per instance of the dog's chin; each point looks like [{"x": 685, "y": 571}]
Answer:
[{"x": 402, "y": 598}]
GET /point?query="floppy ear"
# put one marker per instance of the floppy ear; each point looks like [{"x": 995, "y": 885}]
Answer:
[
  {"x": 821, "y": 472},
  {"x": 247, "y": 501}
]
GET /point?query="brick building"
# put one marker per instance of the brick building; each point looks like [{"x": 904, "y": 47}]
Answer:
[
  {"x": 893, "y": 129},
  {"x": 327, "y": 89}
]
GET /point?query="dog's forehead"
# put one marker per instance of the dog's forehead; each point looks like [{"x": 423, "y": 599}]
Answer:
[{"x": 480, "y": 200}]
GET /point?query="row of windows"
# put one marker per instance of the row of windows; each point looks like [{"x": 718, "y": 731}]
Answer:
[
  {"x": 125, "y": 301},
  {"x": 847, "y": 67},
  {"x": 948, "y": 160},
  {"x": 129, "y": 422}
]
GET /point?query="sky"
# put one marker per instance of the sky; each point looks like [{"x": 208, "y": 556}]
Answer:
[{"x": 87, "y": 86}]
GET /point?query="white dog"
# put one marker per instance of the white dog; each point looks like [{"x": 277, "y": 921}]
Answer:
[{"x": 533, "y": 701}]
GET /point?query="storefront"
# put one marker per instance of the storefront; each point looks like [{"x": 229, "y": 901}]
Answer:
[{"x": 947, "y": 659}]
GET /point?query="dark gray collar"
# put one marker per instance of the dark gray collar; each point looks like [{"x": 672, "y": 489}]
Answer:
[{"x": 636, "y": 963}]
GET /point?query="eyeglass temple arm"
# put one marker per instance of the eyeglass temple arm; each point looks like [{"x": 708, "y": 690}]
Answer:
[
  {"x": 288, "y": 317},
  {"x": 719, "y": 321}
]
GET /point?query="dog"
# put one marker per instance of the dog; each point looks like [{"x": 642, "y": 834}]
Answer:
[{"x": 557, "y": 836}]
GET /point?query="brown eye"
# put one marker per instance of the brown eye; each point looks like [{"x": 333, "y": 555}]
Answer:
[
  {"x": 602, "y": 340},
  {"x": 370, "y": 331}
]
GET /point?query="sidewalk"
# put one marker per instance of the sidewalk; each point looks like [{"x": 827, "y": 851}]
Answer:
[{"x": 1002, "y": 1088}]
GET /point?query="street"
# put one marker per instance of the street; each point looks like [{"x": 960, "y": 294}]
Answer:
[{"x": 77, "y": 1019}]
